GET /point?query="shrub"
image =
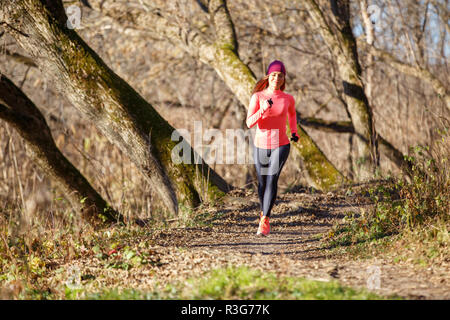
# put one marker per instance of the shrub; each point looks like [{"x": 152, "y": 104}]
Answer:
[{"x": 420, "y": 199}]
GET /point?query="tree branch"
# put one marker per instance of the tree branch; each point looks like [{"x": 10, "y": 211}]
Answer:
[
  {"x": 5, "y": 112},
  {"x": 189, "y": 39},
  {"x": 370, "y": 38},
  {"x": 414, "y": 71},
  {"x": 225, "y": 33},
  {"x": 20, "y": 58},
  {"x": 318, "y": 17},
  {"x": 328, "y": 126},
  {"x": 203, "y": 5},
  {"x": 385, "y": 146},
  {"x": 342, "y": 44},
  {"x": 443, "y": 13}
]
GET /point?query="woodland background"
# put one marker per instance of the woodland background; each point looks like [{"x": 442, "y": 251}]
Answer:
[{"x": 406, "y": 109}]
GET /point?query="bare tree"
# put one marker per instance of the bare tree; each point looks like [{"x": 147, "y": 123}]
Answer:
[
  {"x": 19, "y": 111},
  {"x": 415, "y": 71},
  {"x": 408, "y": 50},
  {"x": 370, "y": 38},
  {"x": 120, "y": 113},
  {"x": 339, "y": 38},
  {"x": 222, "y": 55}
]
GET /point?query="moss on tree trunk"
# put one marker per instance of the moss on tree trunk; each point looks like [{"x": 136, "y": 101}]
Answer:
[
  {"x": 221, "y": 55},
  {"x": 119, "y": 112},
  {"x": 341, "y": 42}
]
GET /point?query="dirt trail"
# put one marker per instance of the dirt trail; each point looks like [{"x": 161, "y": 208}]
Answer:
[{"x": 295, "y": 248}]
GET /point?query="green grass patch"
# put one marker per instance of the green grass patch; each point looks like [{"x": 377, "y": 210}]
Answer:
[{"x": 244, "y": 283}]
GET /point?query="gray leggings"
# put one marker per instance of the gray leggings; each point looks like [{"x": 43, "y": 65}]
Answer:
[{"x": 268, "y": 163}]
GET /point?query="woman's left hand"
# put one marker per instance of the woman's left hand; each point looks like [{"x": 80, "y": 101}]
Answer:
[{"x": 294, "y": 137}]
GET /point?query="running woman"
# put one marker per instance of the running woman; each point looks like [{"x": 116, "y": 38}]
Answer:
[{"x": 268, "y": 109}]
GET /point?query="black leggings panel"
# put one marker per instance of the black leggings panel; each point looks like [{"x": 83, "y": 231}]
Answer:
[{"x": 268, "y": 163}]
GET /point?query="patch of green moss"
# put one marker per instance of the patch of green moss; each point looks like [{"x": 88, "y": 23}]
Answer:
[
  {"x": 86, "y": 68},
  {"x": 320, "y": 170}
]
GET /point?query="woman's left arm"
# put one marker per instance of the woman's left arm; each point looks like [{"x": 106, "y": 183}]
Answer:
[{"x": 292, "y": 115}]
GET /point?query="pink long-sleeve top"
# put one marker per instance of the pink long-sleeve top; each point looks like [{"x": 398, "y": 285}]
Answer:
[{"x": 271, "y": 124}]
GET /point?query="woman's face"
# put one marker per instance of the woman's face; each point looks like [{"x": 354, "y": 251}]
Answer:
[{"x": 276, "y": 80}]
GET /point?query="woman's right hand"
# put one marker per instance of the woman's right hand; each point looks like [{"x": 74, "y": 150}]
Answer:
[{"x": 265, "y": 105}]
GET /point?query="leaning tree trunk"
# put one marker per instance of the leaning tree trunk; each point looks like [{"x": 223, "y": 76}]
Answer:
[
  {"x": 342, "y": 45},
  {"x": 222, "y": 56},
  {"x": 25, "y": 117},
  {"x": 119, "y": 112},
  {"x": 320, "y": 172}
]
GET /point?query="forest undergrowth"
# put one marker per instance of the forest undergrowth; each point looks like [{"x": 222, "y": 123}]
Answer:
[
  {"x": 410, "y": 216},
  {"x": 399, "y": 220}
]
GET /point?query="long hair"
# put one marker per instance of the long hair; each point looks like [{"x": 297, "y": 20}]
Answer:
[{"x": 264, "y": 83}]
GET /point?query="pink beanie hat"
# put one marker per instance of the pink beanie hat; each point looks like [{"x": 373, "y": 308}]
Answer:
[{"x": 276, "y": 66}]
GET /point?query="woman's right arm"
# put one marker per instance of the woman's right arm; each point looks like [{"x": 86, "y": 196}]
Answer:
[{"x": 255, "y": 111}]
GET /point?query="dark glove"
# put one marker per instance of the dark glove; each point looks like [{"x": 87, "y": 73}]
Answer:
[
  {"x": 294, "y": 137},
  {"x": 270, "y": 102}
]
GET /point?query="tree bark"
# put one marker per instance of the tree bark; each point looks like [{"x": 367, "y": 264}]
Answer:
[
  {"x": 119, "y": 112},
  {"x": 222, "y": 55},
  {"x": 20, "y": 58},
  {"x": 370, "y": 38},
  {"x": 19, "y": 111},
  {"x": 342, "y": 45}
]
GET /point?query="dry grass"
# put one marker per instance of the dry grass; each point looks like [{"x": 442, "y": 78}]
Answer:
[{"x": 409, "y": 220}]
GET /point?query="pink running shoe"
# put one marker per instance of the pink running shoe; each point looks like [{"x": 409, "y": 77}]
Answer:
[{"x": 264, "y": 226}]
